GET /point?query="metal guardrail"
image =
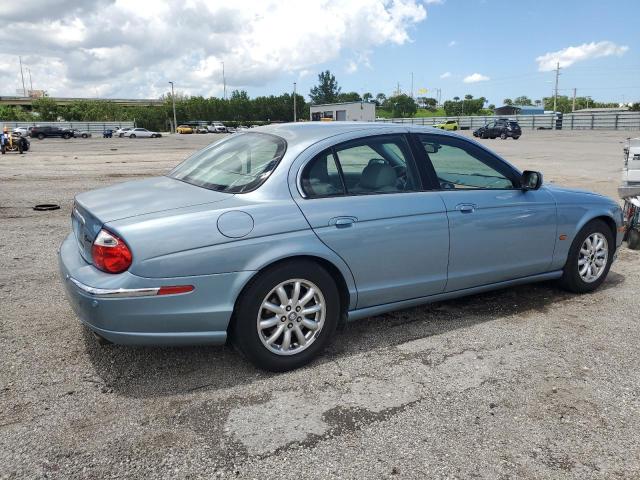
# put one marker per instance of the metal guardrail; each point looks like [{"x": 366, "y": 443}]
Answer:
[
  {"x": 568, "y": 121},
  {"x": 93, "y": 127}
]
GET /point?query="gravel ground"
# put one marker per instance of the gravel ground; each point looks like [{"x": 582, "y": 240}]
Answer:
[{"x": 528, "y": 382}]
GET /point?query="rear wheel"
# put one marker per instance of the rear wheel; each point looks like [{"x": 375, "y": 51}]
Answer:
[
  {"x": 589, "y": 258},
  {"x": 40, "y": 136},
  {"x": 633, "y": 239},
  {"x": 133, "y": 135},
  {"x": 503, "y": 136},
  {"x": 84, "y": 135},
  {"x": 286, "y": 316},
  {"x": 66, "y": 136},
  {"x": 455, "y": 128},
  {"x": 516, "y": 137}
]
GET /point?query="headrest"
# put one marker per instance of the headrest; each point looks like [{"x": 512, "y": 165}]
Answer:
[{"x": 376, "y": 176}]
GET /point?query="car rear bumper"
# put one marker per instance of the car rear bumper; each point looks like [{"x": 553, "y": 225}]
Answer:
[{"x": 123, "y": 308}]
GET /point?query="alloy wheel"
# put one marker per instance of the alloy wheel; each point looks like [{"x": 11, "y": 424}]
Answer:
[
  {"x": 291, "y": 316},
  {"x": 593, "y": 257}
]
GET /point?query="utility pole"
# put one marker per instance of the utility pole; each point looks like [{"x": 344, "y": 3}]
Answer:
[
  {"x": 24, "y": 90},
  {"x": 555, "y": 94},
  {"x": 573, "y": 105},
  {"x": 30, "y": 81},
  {"x": 224, "y": 83},
  {"x": 411, "y": 84},
  {"x": 173, "y": 101},
  {"x": 294, "y": 102}
]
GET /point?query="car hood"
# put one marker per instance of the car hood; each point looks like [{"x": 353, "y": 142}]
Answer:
[
  {"x": 140, "y": 197},
  {"x": 559, "y": 189}
]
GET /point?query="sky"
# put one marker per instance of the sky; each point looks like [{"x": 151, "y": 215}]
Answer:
[{"x": 492, "y": 48}]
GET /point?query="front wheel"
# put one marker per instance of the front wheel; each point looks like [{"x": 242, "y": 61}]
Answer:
[
  {"x": 516, "y": 137},
  {"x": 589, "y": 258},
  {"x": 286, "y": 316},
  {"x": 455, "y": 128},
  {"x": 40, "y": 136},
  {"x": 133, "y": 135},
  {"x": 503, "y": 136}
]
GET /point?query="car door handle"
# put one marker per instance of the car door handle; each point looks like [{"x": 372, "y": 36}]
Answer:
[
  {"x": 466, "y": 207},
  {"x": 342, "y": 222}
]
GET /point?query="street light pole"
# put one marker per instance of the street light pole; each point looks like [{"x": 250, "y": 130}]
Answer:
[
  {"x": 224, "y": 83},
  {"x": 294, "y": 102},
  {"x": 173, "y": 101}
]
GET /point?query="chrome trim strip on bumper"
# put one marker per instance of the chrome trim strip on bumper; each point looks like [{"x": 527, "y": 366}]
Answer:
[{"x": 114, "y": 292}]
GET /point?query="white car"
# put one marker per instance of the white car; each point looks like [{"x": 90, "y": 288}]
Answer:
[
  {"x": 141, "y": 133},
  {"x": 21, "y": 131},
  {"x": 217, "y": 127},
  {"x": 121, "y": 131}
]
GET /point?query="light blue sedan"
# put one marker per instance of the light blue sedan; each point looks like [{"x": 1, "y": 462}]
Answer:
[{"x": 272, "y": 237}]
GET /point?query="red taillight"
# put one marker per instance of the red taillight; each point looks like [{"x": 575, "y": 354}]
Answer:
[{"x": 110, "y": 253}]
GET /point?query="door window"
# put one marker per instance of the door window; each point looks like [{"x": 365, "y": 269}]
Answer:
[
  {"x": 373, "y": 165},
  {"x": 459, "y": 164}
]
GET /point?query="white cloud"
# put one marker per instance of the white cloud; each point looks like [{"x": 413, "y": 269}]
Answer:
[
  {"x": 452, "y": 43},
  {"x": 475, "y": 78},
  {"x": 135, "y": 49},
  {"x": 570, "y": 55},
  {"x": 445, "y": 75},
  {"x": 434, "y": 2}
]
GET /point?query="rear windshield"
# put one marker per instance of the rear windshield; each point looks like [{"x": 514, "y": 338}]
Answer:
[{"x": 240, "y": 164}]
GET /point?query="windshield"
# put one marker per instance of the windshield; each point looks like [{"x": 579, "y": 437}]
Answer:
[{"x": 240, "y": 164}]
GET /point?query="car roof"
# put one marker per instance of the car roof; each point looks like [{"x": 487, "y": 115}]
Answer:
[{"x": 311, "y": 132}]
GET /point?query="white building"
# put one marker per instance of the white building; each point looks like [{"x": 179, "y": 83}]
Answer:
[{"x": 348, "y": 111}]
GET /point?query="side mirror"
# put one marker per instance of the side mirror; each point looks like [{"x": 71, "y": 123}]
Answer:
[{"x": 530, "y": 180}]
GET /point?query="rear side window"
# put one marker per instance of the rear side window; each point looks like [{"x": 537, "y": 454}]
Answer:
[{"x": 373, "y": 165}]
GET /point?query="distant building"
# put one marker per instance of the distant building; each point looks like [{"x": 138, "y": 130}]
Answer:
[
  {"x": 603, "y": 110},
  {"x": 344, "y": 112},
  {"x": 519, "y": 110}
]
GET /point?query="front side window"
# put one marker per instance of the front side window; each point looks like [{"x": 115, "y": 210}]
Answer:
[
  {"x": 240, "y": 164},
  {"x": 461, "y": 165}
]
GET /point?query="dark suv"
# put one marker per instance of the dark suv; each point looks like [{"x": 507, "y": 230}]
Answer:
[
  {"x": 502, "y": 128},
  {"x": 42, "y": 132}
]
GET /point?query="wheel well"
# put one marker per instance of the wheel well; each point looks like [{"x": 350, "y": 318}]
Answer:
[
  {"x": 612, "y": 225},
  {"x": 335, "y": 273}
]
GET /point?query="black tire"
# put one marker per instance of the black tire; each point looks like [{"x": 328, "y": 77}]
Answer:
[
  {"x": 503, "y": 136},
  {"x": 133, "y": 135},
  {"x": 84, "y": 135},
  {"x": 571, "y": 279},
  {"x": 243, "y": 329},
  {"x": 516, "y": 137},
  {"x": 492, "y": 138},
  {"x": 633, "y": 239},
  {"x": 40, "y": 136},
  {"x": 455, "y": 128},
  {"x": 66, "y": 136}
]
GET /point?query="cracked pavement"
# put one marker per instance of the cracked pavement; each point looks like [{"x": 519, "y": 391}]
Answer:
[{"x": 527, "y": 382}]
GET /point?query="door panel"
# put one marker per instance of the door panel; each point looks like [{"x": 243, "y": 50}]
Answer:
[
  {"x": 497, "y": 231},
  {"x": 397, "y": 245},
  {"x": 508, "y": 234}
]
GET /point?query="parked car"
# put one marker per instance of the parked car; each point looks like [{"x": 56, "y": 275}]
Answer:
[
  {"x": 81, "y": 133},
  {"x": 271, "y": 237},
  {"x": 448, "y": 125},
  {"x": 500, "y": 128},
  {"x": 217, "y": 127},
  {"x": 46, "y": 132},
  {"x": 202, "y": 129},
  {"x": 21, "y": 131},
  {"x": 108, "y": 133},
  {"x": 184, "y": 129},
  {"x": 121, "y": 131},
  {"x": 141, "y": 133}
]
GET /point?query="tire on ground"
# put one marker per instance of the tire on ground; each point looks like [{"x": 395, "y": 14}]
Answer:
[
  {"x": 244, "y": 329},
  {"x": 571, "y": 279}
]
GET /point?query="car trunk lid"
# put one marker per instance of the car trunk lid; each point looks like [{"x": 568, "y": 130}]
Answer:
[{"x": 130, "y": 199}]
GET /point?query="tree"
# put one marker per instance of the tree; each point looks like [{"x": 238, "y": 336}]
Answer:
[
  {"x": 456, "y": 99},
  {"x": 47, "y": 108},
  {"x": 380, "y": 99},
  {"x": 348, "y": 97},
  {"x": 468, "y": 97},
  {"x": 507, "y": 101},
  {"x": 635, "y": 107},
  {"x": 468, "y": 106},
  {"x": 367, "y": 97},
  {"x": 491, "y": 106},
  {"x": 538, "y": 103},
  {"x": 402, "y": 106},
  {"x": 327, "y": 90},
  {"x": 522, "y": 100}
]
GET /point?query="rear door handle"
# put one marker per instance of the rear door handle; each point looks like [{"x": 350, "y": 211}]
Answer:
[
  {"x": 342, "y": 222},
  {"x": 466, "y": 207}
]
